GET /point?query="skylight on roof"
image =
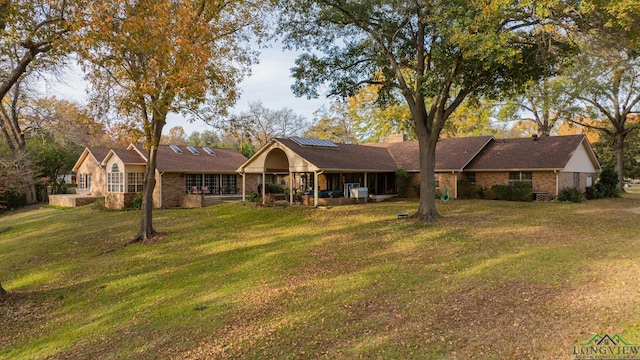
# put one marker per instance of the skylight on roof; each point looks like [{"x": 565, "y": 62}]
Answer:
[
  {"x": 193, "y": 150},
  {"x": 313, "y": 142},
  {"x": 176, "y": 149},
  {"x": 208, "y": 150}
]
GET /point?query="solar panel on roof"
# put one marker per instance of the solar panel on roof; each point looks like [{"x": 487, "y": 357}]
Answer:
[
  {"x": 313, "y": 142},
  {"x": 208, "y": 150},
  {"x": 176, "y": 149},
  {"x": 193, "y": 150}
]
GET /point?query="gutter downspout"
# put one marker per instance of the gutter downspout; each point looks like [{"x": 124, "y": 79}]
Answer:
[{"x": 557, "y": 181}]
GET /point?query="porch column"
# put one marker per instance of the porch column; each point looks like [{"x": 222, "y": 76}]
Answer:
[
  {"x": 366, "y": 180},
  {"x": 220, "y": 190},
  {"x": 244, "y": 185},
  {"x": 264, "y": 187},
  {"x": 290, "y": 187},
  {"x": 315, "y": 189}
]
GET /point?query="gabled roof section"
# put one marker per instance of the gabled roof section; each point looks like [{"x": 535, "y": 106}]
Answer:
[
  {"x": 537, "y": 153},
  {"x": 226, "y": 160},
  {"x": 345, "y": 157},
  {"x": 97, "y": 153},
  {"x": 128, "y": 157},
  {"x": 451, "y": 154}
]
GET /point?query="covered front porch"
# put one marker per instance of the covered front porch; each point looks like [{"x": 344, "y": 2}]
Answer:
[{"x": 306, "y": 183}]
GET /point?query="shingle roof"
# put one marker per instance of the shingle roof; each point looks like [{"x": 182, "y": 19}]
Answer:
[
  {"x": 547, "y": 152},
  {"x": 129, "y": 156},
  {"x": 225, "y": 160},
  {"x": 345, "y": 156},
  {"x": 451, "y": 154},
  {"x": 99, "y": 153}
]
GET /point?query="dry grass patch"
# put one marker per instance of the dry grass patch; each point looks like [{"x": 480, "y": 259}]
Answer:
[{"x": 492, "y": 280}]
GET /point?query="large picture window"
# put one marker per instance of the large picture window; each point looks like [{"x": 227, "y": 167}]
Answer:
[
  {"x": 115, "y": 180},
  {"x": 135, "y": 182},
  {"x": 193, "y": 183},
  {"x": 229, "y": 184}
]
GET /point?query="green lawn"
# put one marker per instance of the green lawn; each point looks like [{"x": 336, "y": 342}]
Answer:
[{"x": 492, "y": 280}]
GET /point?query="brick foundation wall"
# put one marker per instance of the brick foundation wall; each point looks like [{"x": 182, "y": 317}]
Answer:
[
  {"x": 68, "y": 200},
  {"x": 190, "y": 201},
  {"x": 118, "y": 201}
]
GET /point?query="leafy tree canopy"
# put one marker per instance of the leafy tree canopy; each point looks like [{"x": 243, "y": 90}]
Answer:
[{"x": 433, "y": 53}]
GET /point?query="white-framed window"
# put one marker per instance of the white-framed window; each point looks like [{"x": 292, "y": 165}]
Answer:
[
  {"x": 515, "y": 176},
  {"x": 84, "y": 182},
  {"x": 115, "y": 180},
  {"x": 135, "y": 182}
]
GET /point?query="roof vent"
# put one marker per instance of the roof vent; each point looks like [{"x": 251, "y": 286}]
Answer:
[{"x": 176, "y": 149}]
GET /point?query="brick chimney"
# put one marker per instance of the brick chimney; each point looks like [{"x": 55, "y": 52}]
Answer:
[{"x": 393, "y": 138}]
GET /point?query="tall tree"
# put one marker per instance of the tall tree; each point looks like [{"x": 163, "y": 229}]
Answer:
[
  {"x": 259, "y": 124},
  {"x": 545, "y": 104},
  {"x": 149, "y": 58},
  {"x": 66, "y": 121},
  {"x": 607, "y": 82},
  {"x": 474, "y": 117},
  {"x": 332, "y": 124},
  {"x": 52, "y": 158},
  {"x": 434, "y": 53},
  {"x": 373, "y": 119},
  {"x": 32, "y": 37},
  {"x": 176, "y": 136},
  {"x": 205, "y": 138}
]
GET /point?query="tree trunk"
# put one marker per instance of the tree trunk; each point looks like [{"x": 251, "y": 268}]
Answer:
[
  {"x": 3, "y": 292},
  {"x": 427, "y": 140},
  {"x": 427, "y": 210},
  {"x": 147, "y": 232},
  {"x": 618, "y": 167},
  {"x": 22, "y": 162},
  {"x": 146, "y": 221}
]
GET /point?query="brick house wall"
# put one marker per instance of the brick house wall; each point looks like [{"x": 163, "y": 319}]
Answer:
[
  {"x": 251, "y": 183},
  {"x": 566, "y": 180},
  {"x": 448, "y": 180},
  {"x": 541, "y": 180},
  {"x": 544, "y": 181},
  {"x": 172, "y": 188},
  {"x": 98, "y": 178}
]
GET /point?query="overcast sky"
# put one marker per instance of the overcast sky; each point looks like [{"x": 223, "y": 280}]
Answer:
[{"x": 270, "y": 83}]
